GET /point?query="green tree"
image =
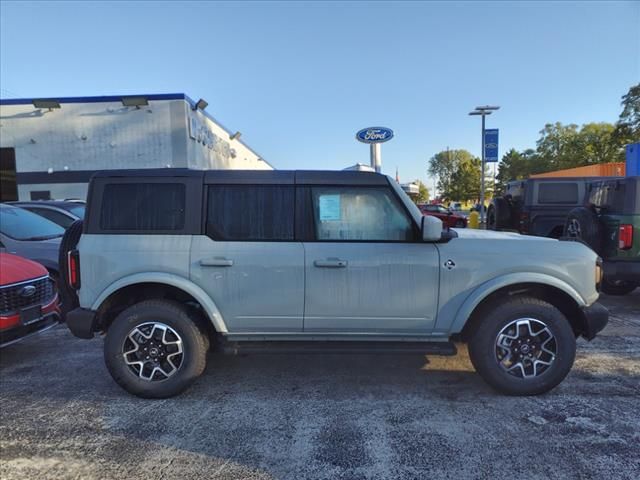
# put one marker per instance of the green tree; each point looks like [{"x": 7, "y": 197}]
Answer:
[
  {"x": 443, "y": 165},
  {"x": 598, "y": 143},
  {"x": 465, "y": 181},
  {"x": 558, "y": 146},
  {"x": 423, "y": 195},
  {"x": 628, "y": 126}
]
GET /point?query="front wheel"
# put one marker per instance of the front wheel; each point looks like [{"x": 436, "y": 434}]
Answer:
[
  {"x": 522, "y": 346},
  {"x": 155, "y": 349}
]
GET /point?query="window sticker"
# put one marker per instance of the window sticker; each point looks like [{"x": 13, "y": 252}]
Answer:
[{"x": 329, "y": 207}]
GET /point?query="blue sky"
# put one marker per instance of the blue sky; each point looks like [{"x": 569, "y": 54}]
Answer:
[{"x": 298, "y": 79}]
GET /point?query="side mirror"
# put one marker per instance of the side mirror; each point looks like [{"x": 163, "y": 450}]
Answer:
[{"x": 431, "y": 228}]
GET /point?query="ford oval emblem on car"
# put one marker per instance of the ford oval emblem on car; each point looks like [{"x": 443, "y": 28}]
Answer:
[
  {"x": 27, "y": 291},
  {"x": 374, "y": 135}
]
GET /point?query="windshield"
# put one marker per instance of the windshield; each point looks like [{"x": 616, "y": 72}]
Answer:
[
  {"x": 21, "y": 224},
  {"x": 78, "y": 211}
]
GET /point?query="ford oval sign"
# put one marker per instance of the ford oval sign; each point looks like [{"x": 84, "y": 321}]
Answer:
[{"x": 374, "y": 135}]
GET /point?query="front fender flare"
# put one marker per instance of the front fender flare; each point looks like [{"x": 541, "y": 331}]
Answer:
[
  {"x": 167, "y": 279},
  {"x": 487, "y": 288}
]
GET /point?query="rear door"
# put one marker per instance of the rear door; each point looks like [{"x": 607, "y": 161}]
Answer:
[
  {"x": 366, "y": 272},
  {"x": 248, "y": 261}
]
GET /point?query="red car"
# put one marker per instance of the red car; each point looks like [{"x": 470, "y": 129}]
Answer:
[
  {"x": 449, "y": 219},
  {"x": 28, "y": 299}
]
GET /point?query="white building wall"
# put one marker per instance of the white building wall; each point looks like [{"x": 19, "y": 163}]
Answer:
[
  {"x": 93, "y": 136},
  {"x": 102, "y": 135},
  {"x": 209, "y": 146}
]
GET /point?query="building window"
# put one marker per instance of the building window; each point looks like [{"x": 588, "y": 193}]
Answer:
[
  {"x": 250, "y": 212},
  {"x": 143, "y": 207}
]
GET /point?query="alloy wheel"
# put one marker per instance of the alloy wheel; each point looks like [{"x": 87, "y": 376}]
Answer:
[
  {"x": 525, "y": 348},
  {"x": 153, "y": 351}
]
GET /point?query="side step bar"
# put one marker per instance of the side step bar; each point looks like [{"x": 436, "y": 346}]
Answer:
[{"x": 322, "y": 347}]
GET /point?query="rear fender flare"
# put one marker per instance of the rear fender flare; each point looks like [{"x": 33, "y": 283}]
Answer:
[{"x": 212, "y": 311}]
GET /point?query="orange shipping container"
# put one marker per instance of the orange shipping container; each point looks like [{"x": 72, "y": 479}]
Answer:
[{"x": 599, "y": 170}]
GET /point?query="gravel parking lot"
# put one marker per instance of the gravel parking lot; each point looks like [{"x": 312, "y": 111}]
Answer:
[{"x": 338, "y": 416}]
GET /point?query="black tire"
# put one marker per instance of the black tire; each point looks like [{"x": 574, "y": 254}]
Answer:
[
  {"x": 459, "y": 224},
  {"x": 483, "y": 351},
  {"x": 617, "y": 288},
  {"x": 189, "y": 366},
  {"x": 499, "y": 214},
  {"x": 582, "y": 223},
  {"x": 70, "y": 239}
]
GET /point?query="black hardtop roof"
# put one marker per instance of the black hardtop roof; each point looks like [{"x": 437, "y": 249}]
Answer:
[{"x": 305, "y": 177}]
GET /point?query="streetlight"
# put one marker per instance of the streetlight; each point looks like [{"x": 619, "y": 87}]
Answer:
[{"x": 483, "y": 111}]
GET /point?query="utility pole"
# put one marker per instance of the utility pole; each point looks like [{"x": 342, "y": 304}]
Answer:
[{"x": 483, "y": 111}]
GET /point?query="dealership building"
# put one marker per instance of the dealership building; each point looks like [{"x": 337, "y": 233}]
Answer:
[{"x": 49, "y": 148}]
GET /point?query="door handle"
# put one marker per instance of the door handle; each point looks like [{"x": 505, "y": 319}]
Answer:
[
  {"x": 331, "y": 263},
  {"x": 216, "y": 262}
]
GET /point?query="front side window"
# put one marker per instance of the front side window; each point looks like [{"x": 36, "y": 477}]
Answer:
[
  {"x": 143, "y": 207},
  {"x": 250, "y": 212},
  {"x": 359, "y": 214}
]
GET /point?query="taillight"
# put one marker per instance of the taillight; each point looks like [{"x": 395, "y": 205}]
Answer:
[
  {"x": 73, "y": 269},
  {"x": 625, "y": 237}
]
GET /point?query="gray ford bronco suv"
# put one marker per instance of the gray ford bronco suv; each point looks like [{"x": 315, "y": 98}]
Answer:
[{"x": 168, "y": 262}]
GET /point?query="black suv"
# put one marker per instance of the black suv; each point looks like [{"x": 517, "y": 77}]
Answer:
[{"x": 537, "y": 206}]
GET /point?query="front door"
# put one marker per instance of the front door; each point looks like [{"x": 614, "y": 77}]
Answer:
[
  {"x": 248, "y": 261},
  {"x": 366, "y": 271}
]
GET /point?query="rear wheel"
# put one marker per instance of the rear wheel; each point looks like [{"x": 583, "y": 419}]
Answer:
[
  {"x": 522, "y": 346},
  {"x": 155, "y": 349},
  {"x": 621, "y": 287},
  {"x": 582, "y": 223},
  {"x": 459, "y": 224}
]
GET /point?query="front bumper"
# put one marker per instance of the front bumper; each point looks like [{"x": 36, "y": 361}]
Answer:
[
  {"x": 82, "y": 322},
  {"x": 628, "y": 271},
  {"x": 595, "y": 319},
  {"x": 17, "y": 333}
]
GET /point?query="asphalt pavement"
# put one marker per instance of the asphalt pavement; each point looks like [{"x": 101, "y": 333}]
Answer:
[{"x": 321, "y": 416}]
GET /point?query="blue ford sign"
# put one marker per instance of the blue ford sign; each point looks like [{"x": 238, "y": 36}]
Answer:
[
  {"x": 491, "y": 145},
  {"x": 374, "y": 135}
]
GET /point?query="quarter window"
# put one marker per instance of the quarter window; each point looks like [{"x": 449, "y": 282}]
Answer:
[
  {"x": 560, "y": 193},
  {"x": 359, "y": 214},
  {"x": 250, "y": 212},
  {"x": 143, "y": 207}
]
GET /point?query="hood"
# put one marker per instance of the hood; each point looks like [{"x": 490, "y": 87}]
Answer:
[
  {"x": 14, "y": 269},
  {"x": 493, "y": 235}
]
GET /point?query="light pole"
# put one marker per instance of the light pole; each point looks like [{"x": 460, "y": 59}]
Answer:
[{"x": 483, "y": 111}]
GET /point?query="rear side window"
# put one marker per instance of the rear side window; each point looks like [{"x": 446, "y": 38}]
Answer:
[
  {"x": 558, "y": 192},
  {"x": 143, "y": 207},
  {"x": 250, "y": 212},
  {"x": 608, "y": 195}
]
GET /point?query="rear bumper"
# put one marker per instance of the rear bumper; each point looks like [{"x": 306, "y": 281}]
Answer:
[
  {"x": 82, "y": 322},
  {"x": 617, "y": 270},
  {"x": 596, "y": 318}
]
